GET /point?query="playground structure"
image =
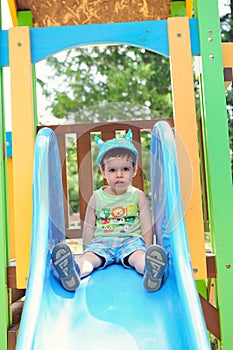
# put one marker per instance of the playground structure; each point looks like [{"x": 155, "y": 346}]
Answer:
[
  {"x": 176, "y": 37},
  {"x": 125, "y": 315}
]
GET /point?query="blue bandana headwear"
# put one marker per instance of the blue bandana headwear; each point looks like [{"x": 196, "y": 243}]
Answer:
[{"x": 118, "y": 142}]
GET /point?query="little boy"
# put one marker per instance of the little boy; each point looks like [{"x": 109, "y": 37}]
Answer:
[{"x": 117, "y": 226}]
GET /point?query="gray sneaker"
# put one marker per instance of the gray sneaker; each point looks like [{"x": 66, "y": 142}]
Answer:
[
  {"x": 155, "y": 263},
  {"x": 67, "y": 269}
]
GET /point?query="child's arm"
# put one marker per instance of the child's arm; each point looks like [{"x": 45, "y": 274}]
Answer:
[
  {"x": 89, "y": 222},
  {"x": 145, "y": 218}
]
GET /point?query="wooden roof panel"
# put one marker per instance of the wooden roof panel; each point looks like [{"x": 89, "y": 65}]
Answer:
[{"x": 48, "y": 13}]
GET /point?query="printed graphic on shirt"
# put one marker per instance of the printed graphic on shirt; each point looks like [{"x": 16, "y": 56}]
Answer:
[{"x": 117, "y": 218}]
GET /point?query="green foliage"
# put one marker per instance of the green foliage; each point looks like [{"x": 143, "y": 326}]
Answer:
[
  {"x": 71, "y": 158},
  {"x": 105, "y": 83},
  {"x": 109, "y": 83},
  {"x": 227, "y": 36},
  {"x": 226, "y": 23}
]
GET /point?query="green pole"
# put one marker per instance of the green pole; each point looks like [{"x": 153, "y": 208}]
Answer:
[
  {"x": 217, "y": 159},
  {"x": 3, "y": 245},
  {"x": 4, "y": 253}
]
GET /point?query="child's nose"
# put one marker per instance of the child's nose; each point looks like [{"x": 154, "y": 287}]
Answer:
[{"x": 119, "y": 173}]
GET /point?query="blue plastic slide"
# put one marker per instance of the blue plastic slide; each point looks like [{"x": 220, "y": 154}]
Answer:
[{"x": 111, "y": 310}]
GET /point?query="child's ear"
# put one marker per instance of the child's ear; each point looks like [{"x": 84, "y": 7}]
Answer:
[
  {"x": 135, "y": 170},
  {"x": 102, "y": 172}
]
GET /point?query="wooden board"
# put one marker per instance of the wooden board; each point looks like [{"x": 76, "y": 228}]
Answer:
[{"x": 47, "y": 13}]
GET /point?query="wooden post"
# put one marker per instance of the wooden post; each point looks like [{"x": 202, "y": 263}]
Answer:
[
  {"x": 186, "y": 138},
  {"x": 22, "y": 145}
]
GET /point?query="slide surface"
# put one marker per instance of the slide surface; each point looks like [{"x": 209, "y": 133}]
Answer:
[{"x": 111, "y": 309}]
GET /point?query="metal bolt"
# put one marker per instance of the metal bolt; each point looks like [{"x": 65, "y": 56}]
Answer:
[
  {"x": 210, "y": 40},
  {"x": 195, "y": 270},
  {"x": 19, "y": 44},
  {"x": 210, "y": 32},
  {"x": 228, "y": 266},
  {"x": 179, "y": 35},
  {"x": 211, "y": 57}
]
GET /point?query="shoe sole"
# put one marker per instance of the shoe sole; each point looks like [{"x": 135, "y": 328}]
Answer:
[
  {"x": 155, "y": 262},
  {"x": 62, "y": 259}
]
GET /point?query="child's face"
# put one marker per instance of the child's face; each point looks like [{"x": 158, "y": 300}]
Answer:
[{"x": 119, "y": 173}]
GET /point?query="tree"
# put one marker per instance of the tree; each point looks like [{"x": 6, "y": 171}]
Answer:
[
  {"x": 109, "y": 83},
  {"x": 227, "y": 36},
  {"x": 227, "y": 22},
  {"x": 105, "y": 83}
]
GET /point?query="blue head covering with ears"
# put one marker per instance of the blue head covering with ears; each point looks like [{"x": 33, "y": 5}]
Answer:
[{"x": 118, "y": 142}]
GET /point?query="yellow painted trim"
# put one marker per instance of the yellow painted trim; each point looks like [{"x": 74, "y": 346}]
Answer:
[
  {"x": 186, "y": 138},
  {"x": 189, "y": 8},
  {"x": 22, "y": 145},
  {"x": 11, "y": 207},
  {"x": 13, "y": 12},
  {"x": 227, "y": 52}
]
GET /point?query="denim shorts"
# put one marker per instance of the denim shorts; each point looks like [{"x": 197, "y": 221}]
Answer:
[{"x": 115, "y": 249}]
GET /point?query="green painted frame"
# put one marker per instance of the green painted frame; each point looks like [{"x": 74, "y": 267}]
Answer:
[
  {"x": 217, "y": 159},
  {"x": 4, "y": 247}
]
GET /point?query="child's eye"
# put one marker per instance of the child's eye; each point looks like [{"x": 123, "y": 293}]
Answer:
[
  {"x": 112, "y": 170},
  {"x": 126, "y": 169}
]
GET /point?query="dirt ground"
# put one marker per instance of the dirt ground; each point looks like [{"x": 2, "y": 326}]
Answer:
[{"x": 71, "y": 12}]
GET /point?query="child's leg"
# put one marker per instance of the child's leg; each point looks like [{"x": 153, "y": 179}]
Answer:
[
  {"x": 137, "y": 261},
  {"x": 70, "y": 269},
  {"x": 87, "y": 262},
  {"x": 151, "y": 264},
  {"x": 64, "y": 264}
]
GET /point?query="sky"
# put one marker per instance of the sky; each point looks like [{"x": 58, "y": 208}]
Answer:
[
  {"x": 42, "y": 69},
  {"x": 222, "y": 7}
]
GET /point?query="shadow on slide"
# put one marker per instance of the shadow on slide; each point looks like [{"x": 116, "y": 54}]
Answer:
[{"x": 111, "y": 310}]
